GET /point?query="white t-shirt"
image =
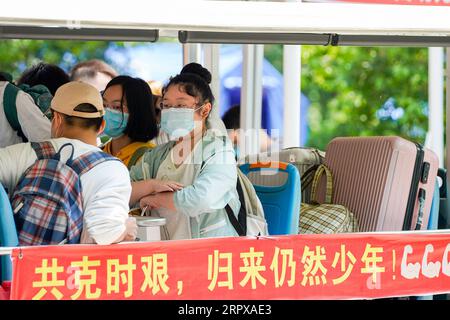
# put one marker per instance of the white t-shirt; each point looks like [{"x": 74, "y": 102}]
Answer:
[
  {"x": 178, "y": 224},
  {"x": 35, "y": 126},
  {"x": 106, "y": 188}
]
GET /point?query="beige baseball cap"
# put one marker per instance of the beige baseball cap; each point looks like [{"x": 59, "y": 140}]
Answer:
[{"x": 74, "y": 93}]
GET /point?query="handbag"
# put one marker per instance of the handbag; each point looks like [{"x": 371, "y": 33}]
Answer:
[{"x": 327, "y": 217}]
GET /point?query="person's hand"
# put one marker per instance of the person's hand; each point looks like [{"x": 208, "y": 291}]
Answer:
[
  {"x": 158, "y": 201},
  {"x": 165, "y": 186},
  {"x": 131, "y": 229},
  {"x": 149, "y": 202}
]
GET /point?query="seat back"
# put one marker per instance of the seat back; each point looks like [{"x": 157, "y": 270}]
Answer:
[
  {"x": 281, "y": 203},
  {"x": 8, "y": 234}
]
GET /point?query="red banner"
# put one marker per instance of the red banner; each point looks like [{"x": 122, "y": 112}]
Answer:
[
  {"x": 401, "y": 2},
  {"x": 346, "y": 266}
]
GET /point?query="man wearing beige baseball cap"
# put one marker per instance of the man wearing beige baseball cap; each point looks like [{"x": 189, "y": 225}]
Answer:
[{"x": 77, "y": 110}]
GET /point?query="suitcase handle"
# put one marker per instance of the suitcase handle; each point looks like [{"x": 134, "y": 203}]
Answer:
[{"x": 442, "y": 173}]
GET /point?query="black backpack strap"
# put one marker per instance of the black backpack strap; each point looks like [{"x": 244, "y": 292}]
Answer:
[
  {"x": 10, "y": 109},
  {"x": 237, "y": 226},
  {"x": 239, "y": 223},
  {"x": 137, "y": 155}
]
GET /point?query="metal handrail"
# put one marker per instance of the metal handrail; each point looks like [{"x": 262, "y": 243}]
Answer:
[{"x": 6, "y": 250}]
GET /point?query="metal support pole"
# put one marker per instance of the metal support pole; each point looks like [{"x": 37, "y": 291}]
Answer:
[
  {"x": 447, "y": 101},
  {"x": 211, "y": 62},
  {"x": 436, "y": 102},
  {"x": 251, "y": 97},
  {"x": 191, "y": 53},
  {"x": 292, "y": 86}
]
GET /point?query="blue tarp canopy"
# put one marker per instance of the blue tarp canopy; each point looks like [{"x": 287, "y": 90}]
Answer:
[{"x": 272, "y": 82}]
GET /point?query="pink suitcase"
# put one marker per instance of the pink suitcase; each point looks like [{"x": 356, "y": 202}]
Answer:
[{"x": 380, "y": 179}]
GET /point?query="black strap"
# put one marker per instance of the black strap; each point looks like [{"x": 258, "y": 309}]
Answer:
[
  {"x": 239, "y": 223},
  {"x": 58, "y": 154},
  {"x": 237, "y": 226},
  {"x": 442, "y": 173}
]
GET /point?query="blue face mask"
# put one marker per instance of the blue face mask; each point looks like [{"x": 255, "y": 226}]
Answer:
[
  {"x": 116, "y": 122},
  {"x": 177, "y": 122}
]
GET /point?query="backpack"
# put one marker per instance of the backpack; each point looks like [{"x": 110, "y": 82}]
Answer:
[
  {"x": 47, "y": 201},
  {"x": 251, "y": 220},
  {"x": 41, "y": 97}
]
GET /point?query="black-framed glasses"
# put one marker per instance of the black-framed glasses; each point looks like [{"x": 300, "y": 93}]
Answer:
[{"x": 166, "y": 106}]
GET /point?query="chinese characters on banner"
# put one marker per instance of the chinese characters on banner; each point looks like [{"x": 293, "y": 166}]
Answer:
[{"x": 345, "y": 266}]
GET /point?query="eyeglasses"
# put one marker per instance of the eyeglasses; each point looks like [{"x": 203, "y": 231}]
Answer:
[
  {"x": 114, "y": 106},
  {"x": 166, "y": 106}
]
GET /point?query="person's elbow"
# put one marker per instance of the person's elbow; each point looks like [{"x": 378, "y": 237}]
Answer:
[
  {"x": 104, "y": 229},
  {"x": 110, "y": 237}
]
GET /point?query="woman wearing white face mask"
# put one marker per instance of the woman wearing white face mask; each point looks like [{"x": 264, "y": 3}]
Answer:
[
  {"x": 131, "y": 124},
  {"x": 196, "y": 158}
]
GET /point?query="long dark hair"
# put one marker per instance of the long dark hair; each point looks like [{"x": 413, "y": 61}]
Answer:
[{"x": 142, "y": 120}]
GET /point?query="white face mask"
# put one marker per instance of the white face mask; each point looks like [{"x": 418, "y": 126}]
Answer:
[
  {"x": 178, "y": 122},
  {"x": 162, "y": 138}
]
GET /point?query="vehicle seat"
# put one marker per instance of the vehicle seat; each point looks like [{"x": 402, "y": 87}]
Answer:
[{"x": 281, "y": 202}]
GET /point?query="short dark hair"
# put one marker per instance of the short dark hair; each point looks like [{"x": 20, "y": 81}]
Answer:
[
  {"x": 46, "y": 74},
  {"x": 232, "y": 118},
  {"x": 90, "y": 68},
  {"x": 85, "y": 123},
  {"x": 4, "y": 76},
  {"x": 194, "y": 80},
  {"x": 142, "y": 124}
]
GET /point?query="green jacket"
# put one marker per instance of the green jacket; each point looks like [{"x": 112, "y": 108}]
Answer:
[{"x": 214, "y": 185}]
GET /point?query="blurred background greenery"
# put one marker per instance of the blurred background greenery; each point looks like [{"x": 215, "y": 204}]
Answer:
[
  {"x": 362, "y": 91},
  {"x": 353, "y": 90}
]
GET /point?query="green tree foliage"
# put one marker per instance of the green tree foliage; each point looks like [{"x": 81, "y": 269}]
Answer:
[
  {"x": 16, "y": 55},
  {"x": 348, "y": 87}
]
